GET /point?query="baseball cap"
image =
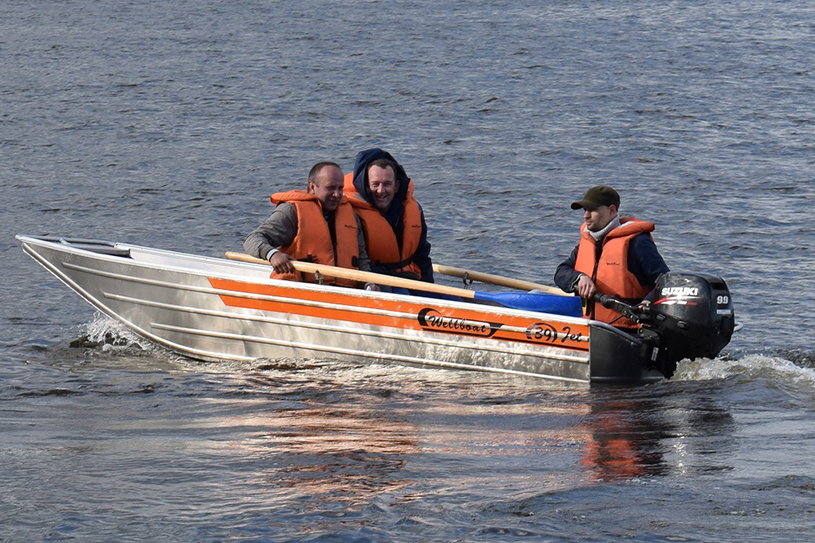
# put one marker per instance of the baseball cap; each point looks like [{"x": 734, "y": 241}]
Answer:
[{"x": 595, "y": 197}]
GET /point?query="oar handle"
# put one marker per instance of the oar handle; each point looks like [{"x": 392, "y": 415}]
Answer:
[
  {"x": 362, "y": 276},
  {"x": 496, "y": 279}
]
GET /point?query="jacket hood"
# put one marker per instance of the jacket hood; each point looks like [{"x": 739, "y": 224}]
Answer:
[{"x": 361, "y": 174}]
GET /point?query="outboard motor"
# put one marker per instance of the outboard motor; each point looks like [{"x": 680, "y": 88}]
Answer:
[{"x": 693, "y": 314}]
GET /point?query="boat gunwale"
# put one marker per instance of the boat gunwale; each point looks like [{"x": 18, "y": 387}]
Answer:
[{"x": 238, "y": 265}]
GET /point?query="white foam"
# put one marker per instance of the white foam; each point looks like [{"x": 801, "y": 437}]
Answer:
[
  {"x": 750, "y": 367},
  {"x": 113, "y": 335}
]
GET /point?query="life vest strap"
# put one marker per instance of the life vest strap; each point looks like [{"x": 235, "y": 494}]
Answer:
[{"x": 394, "y": 265}]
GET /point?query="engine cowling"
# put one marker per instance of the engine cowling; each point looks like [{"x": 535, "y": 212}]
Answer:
[{"x": 694, "y": 315}]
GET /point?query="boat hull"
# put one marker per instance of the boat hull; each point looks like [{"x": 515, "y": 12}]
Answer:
[{"x": 215, "y": 309}]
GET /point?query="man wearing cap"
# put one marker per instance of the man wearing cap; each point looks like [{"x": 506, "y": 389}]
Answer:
[{"x": 615, "y": 256}]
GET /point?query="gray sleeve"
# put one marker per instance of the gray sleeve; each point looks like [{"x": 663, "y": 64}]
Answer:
[
  {"x": 277, "y": 231},
  {"x": 364, "y": 261}
]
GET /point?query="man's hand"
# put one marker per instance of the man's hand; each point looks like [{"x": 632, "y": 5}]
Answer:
[
  {"x": 586, "y": 287},
  {"x": 281, "y": 262}
]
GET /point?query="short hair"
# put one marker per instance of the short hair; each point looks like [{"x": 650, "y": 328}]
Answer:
[
  {"x": 317, "y": 168},
  {"x": 384, "y": 163}
]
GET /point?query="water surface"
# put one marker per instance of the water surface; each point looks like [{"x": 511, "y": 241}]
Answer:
[{"x": 168, "y": 124}]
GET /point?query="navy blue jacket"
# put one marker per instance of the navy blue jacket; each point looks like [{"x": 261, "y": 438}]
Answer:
[{"x": 644, "y": 261}]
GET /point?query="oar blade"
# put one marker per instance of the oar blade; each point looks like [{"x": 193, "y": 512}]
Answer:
[{"x": 569, "y": 306}]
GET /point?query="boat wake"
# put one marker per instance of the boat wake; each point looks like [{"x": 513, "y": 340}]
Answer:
[
  {"x": 109, "y": 336},
  {"x": 792, "y": 369}
]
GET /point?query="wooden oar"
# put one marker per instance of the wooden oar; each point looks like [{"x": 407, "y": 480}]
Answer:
[
  {"x": 496, "y": 279},
  {"x": 545, "y": 303}
]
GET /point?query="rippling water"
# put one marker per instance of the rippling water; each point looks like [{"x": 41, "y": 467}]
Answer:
[{"x": 169, "y": 123}]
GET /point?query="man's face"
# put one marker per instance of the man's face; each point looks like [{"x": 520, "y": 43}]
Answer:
[
  {"x": 327, "y": 187},
  {"x": 598, "y": 218},
  {"x": 383, "y": 186}
]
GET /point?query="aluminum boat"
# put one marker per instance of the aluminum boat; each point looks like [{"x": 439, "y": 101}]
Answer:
[{"x": 217, "y": 308}]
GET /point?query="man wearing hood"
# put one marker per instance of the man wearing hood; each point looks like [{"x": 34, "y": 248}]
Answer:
[
  {"x": 615, "y": 256},
  {"x": 392, "y": 220}
]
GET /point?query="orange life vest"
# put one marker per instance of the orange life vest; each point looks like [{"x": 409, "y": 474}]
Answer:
[
  {"x": 380, "y": 239},
  {"x": 313, "y": 240},
  {"x": 611, "y": 273}
]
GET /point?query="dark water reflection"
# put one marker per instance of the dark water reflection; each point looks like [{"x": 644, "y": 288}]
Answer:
[{"x": 656, "y": 431}]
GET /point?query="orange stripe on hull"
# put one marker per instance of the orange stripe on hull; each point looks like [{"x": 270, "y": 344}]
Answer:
[{"x": 415, "y": 316}]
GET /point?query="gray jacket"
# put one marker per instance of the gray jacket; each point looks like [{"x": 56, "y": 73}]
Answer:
[{"x": 280, "y": 229}]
